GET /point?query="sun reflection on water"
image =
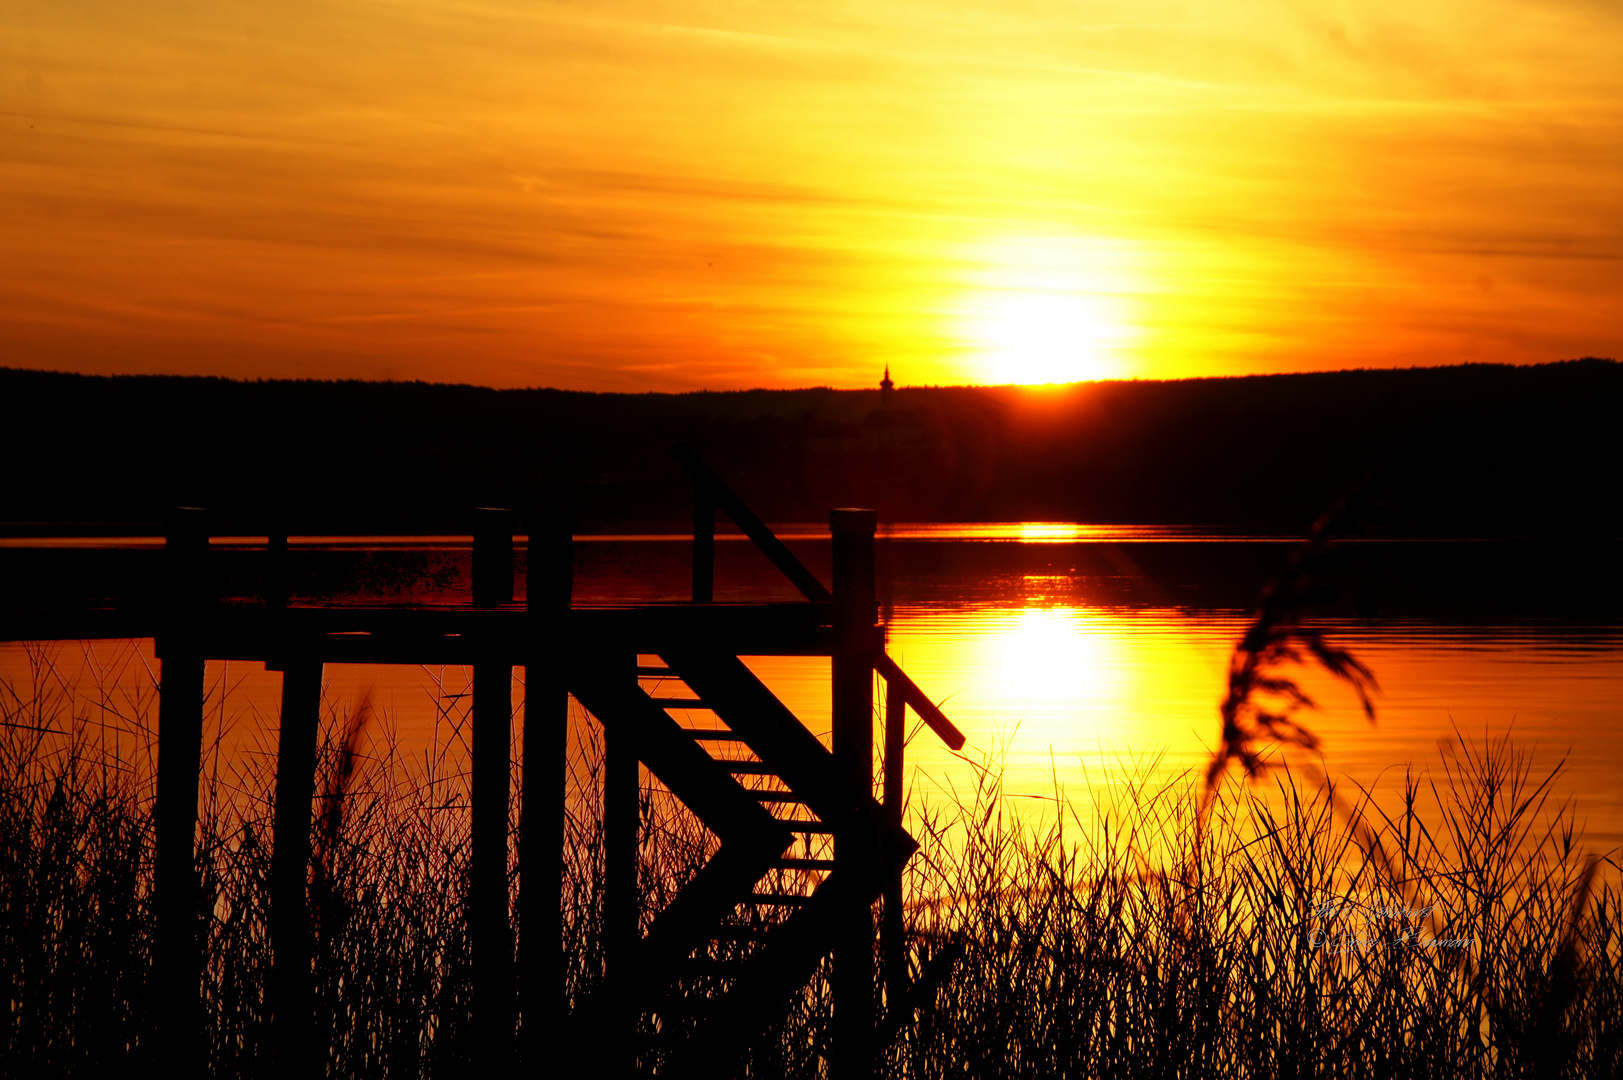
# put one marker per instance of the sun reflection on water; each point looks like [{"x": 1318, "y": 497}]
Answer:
[{"x": 1060, "y": 694}]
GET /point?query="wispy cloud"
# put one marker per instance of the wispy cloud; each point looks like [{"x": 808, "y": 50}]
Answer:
[{"x": 647, "y": 194}]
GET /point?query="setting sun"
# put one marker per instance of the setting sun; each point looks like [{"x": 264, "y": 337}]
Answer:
[{"x": 1050, "y": 310}]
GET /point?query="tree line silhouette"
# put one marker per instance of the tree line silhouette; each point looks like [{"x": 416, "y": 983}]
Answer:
[{"x": 1476, "y": 449}]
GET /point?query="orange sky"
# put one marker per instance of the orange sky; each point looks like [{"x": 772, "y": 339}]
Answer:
[{"x": 645, "y": 195}]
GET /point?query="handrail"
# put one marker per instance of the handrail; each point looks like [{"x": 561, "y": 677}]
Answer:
[
  {"x": 927, "y": 710},
  {"x": 795, "y": 570}
]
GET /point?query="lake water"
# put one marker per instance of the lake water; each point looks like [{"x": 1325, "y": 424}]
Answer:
[{"x": 1074, "y": 657}]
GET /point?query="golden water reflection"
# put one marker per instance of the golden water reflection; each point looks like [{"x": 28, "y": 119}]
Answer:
[
  {"x": 1082, "y": 702},
  {"x": 1062, "y": 698}
]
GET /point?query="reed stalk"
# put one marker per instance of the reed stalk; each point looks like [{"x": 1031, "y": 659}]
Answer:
[{"x": 1302, "y": 931}]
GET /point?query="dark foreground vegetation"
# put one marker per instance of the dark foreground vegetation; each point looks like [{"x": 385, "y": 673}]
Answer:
[
  {"x": 1480, "y": 450},
  {"x": 1295, "y": 931}
]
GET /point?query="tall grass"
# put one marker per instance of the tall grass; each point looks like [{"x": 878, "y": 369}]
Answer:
[
  {"x": 1296, "y": 933},
  {"x": 1301, "y": 932}
]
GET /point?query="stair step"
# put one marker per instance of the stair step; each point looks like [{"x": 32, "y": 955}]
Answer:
[
  {"x": 678, "y": 702},
  {"x": 740, "y": 933},
  {"x": 714, "y": 735},
  {"x": 802, "y": 864},
  {"x": 777, "y": 797},
  {"x": 646, "y": 672},
  {"x": 703, "y": 965},
  {"x": 780, "y": 899},
  {"x": 749, "y": 768},
  {"x": 822, "y": 828}
]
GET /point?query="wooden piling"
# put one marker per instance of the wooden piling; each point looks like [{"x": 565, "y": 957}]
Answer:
[
  {"x": 489, "y": 927},
  {"x": 295, "y": 1048},
  {"x": 855, "y": 646},
  {"x": 543, "y": 820},
  {"x": 178, "y": 955},
  {"x": 621, "y": 808}
]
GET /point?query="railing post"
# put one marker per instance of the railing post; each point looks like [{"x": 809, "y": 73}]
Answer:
[
  {"x": 855, "y": 648},
  {"x": 489, "y": 928},
  {"x": 180, "y": 745},
  {"x": 621, "y": 808},
  {"x": 544, "y": 816},
  {"x": 294, "y": 1048},
  {"x": 893, "y": 946},
  {"x": 704, "y": 544}
]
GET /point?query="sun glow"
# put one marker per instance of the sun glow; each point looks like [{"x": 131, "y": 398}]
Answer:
[{"x": 1050, "y": 309}]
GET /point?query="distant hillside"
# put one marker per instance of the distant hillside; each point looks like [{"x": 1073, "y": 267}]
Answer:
[{"x": 1474, "y": 449}]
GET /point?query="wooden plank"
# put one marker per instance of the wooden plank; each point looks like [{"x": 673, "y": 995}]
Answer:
[
  {"x": 749, "y": 768},
  {"x": 445, "y": 634}
]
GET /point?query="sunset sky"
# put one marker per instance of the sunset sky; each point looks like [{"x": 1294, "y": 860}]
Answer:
[{"x": 673, "y": 196}]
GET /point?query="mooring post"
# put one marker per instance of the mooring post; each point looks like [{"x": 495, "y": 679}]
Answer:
[
  {"x": 621, "y": 808},
  {"x": 704, "y": 543},
  {"x": 489, "y": 929},
  {"x": 855, "y": 645},
  {"x": 180, "y": 746},
  {"x": 892, "y": 945},
  {"x": 543, "y": 809},
  {"x": 294, "y": 1043}
]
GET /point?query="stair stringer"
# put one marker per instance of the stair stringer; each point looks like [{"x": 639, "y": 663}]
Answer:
[
  {"x": 869, "y": 850},
  {"x": 751, "y": 838},
  {"x": 745, "y": 704}
]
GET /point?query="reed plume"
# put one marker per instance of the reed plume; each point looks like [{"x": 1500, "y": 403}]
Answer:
[{"x": 1262, "y": 701}]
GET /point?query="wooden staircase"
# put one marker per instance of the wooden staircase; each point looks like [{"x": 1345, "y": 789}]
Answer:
[
  {"x": 772, "y": 794},
  {"x": 804, "y": 847}
]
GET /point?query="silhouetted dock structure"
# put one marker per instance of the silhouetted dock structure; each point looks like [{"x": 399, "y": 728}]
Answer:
[{"x": 805, "y": 849}]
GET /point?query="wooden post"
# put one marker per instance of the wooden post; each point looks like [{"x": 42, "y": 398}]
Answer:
[
  {"x": 492, "y": 556},
  {"x": 621, "y": 807},
  {"x": 277, "y": 578},
  {"x": 855, "y": 645},
  {"x": 489, "y": 929},
  {"x": 893, "y": 945},
  {"x": 704, "y": 544},
  {"x": 542, "y": 798},
  {"x": 294, "y": 1047},
  {"x": 180, "y": 745}
]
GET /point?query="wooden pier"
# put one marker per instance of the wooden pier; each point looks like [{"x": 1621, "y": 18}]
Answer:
[{"x": 756, "y": 777}]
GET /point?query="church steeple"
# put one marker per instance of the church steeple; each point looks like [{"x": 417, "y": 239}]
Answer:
[{"x": 886, "y": 387}]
